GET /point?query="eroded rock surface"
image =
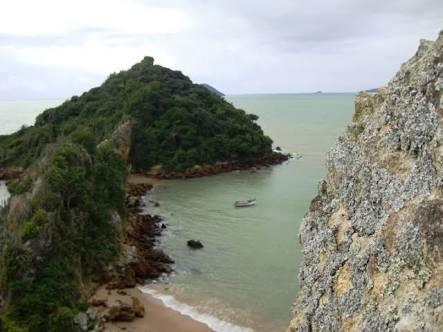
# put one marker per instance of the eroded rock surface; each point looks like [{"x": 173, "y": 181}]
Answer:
[{"x": 373, "y": 237}]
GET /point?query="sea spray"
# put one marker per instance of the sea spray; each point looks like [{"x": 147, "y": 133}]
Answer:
[{"x": 214, "y": 323}]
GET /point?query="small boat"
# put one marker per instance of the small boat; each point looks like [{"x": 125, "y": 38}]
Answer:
[{"x": 249, "y": 202}]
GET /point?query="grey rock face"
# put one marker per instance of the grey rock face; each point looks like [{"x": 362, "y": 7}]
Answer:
[
  {"x": 373, "y": 237},
  {"x": 82, "y": 321},
  {"x": 120, "y": 140}
]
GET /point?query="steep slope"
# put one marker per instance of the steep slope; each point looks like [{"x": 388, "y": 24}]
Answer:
[
  {"x": 65, "y": 223},
  {"x": 176, "y": 124},
  {"x": 373, "y": 237}
]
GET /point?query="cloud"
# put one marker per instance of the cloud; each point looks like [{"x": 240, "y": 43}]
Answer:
[
  {"x": 52, "y": 17},
  {"x": 238, "y": 46}
]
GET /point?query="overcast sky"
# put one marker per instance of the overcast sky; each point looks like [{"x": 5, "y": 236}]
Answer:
[{"x": 58, "y": 48}]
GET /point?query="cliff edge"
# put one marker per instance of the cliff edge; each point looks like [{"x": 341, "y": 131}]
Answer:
[{"x": 373, "y": 236}]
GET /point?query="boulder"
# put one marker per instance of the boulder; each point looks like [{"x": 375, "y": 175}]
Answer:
[
  {"x": 98, "y": 302},
  {"x": 195, "y": 244},
  {"x": 132, "y": 202},
  {"x": 92, "y": 313},
  {"x": 125, "y": 310},
  {"x": 120, "y": 312}
]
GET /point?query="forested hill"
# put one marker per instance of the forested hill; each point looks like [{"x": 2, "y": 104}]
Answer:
[
  {"x": 64, "y": 224},
  {"x": 176, "y": 123}
]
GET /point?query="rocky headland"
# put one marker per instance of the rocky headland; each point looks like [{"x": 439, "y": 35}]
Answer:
[
  {"x": 373, "y": 236},
  {"x": 275, "y": 158},
  {"x": 73, "y": 222}
]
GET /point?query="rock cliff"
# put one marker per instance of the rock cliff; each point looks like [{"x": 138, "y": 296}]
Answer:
[{"x": 373, "y": 236}]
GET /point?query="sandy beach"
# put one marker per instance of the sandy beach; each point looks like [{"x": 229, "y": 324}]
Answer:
[
  {"x": 142, "y": 179},
  {"x": 158, "y": 317}
]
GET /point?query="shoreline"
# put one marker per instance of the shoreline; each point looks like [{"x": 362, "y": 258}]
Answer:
[
  {"x": 124, "y": 291},
  {"x": 275, "y": 158},
  {"x": 157, "y": 318},
  {"x": 118, "y": 302}
]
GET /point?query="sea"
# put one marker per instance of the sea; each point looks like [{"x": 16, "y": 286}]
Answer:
[{"x": 246, "y": 276}]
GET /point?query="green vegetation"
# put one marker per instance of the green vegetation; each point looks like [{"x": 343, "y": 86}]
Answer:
[
  {"x": 32, "y": 227},
  {"x": 87, "y": 194},
  {"x": 20, "y": 186},
  {"x": 178, "y": 123},
  {"x": 67, "y": 227}
]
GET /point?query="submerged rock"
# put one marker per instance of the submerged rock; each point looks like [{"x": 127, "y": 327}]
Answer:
[
  {"x": 195, "y": 244},
  {"x": 373, "y": 237}
]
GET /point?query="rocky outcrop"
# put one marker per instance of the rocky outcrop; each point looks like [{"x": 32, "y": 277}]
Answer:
[
  {"x": 195, "y": 244},
  {"x": 125, "y": 311},
  {"x": 10, "y": 173},
  {"x": 120, "y": 140},
  {"x": 274, "y": 158},
  {"x": 140, "y": 260},
  {"x": 373, "y": 237}
]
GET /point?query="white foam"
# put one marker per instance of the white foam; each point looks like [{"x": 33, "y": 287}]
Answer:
[{"x": 214, "y": 323}]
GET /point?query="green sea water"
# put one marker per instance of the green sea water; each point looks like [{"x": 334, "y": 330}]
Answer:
[
  {"x": 246, "y": 276},
  {"x": 247, "y": 272}
]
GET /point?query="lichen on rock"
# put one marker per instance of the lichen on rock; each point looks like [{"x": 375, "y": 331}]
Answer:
[{"x": 373, "y": 237}]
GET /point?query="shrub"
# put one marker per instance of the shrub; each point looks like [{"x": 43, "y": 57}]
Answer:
[
  {"x": 61, "y": 320},
  {"x": 29, "y": 230},
  {"x": 20, "y": 186}
]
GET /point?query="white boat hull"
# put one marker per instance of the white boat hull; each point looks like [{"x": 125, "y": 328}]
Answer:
[{"x": 245, "y": 203}]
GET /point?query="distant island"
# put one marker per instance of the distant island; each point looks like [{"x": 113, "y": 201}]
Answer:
[{"x": 213, "y": 90}]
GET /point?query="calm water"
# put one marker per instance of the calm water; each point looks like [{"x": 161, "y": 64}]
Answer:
[{"x": 247, "y": 273}]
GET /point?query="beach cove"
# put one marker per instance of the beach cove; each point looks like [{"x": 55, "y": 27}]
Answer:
[
  {"x": 241, "y": 258},
  {"x": 233, "y": 280}
]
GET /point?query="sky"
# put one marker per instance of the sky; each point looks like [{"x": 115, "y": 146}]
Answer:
[{"x": 59, "y": 48}]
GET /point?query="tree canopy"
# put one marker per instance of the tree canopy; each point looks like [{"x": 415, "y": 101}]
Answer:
[{"x": 177, "y": 123}]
